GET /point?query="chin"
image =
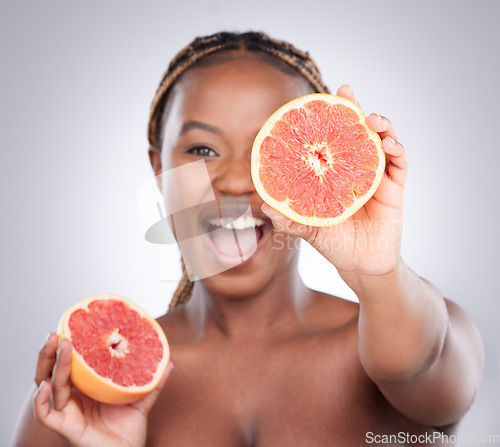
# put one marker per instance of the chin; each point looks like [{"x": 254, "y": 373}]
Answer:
[
  {"x": 254, "y": 275},
  {"x": 236, "y": 252}
]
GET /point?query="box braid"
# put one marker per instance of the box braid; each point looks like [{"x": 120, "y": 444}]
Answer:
[{"x": 201, "y": 47}]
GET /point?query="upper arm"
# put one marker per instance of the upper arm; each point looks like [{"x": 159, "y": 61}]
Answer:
[
  {"x": 29, "y": 432},
  {"x": 442, "y": 394}
]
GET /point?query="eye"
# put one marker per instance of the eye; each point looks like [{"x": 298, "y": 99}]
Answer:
[{"x": 202, "y": 151}]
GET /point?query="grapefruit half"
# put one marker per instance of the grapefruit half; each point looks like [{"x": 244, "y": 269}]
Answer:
[
  {"x": 316, "y": 160},
  {"x": 119, "y": 352}
]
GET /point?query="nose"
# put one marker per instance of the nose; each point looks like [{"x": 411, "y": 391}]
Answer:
[{"x": 234, "y": 177}]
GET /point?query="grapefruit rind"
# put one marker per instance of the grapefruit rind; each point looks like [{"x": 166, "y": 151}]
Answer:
[
  {"x": 101, "y": 388},
  {"x": 282, "y": 206}
]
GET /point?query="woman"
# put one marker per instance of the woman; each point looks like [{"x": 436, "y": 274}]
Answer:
[{"x": 259, "y": 358}]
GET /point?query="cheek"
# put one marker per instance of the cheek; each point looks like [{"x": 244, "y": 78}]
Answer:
[{"x": 184, "y": 183}]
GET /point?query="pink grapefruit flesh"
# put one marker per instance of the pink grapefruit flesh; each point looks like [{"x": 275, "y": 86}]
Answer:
[
  {"x": 316, "y": 160},
  {"x": 119, "y": 352}
]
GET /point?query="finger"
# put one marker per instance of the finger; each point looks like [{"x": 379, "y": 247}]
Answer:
[
  {"x": 46, "y": 359},
  {"x": 145, "y": 404},
  {"x": 60, "y": 378},
  {"x": 347, "y": 92},
  {"x": 283, "y": 224},
  {"x": 397, "y": 163},
  {"x": 42, "y": 409},
  {"x": 382, "y": 126}
]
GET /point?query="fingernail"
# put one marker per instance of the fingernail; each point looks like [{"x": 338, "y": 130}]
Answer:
[
  {"x": 271, "y": 217},
  {"x": 390, "y": 140},
  {"x": 49, "y": 336},
  {"x": 377, "y": 116},
  {"x": 41, "y": 386},
  {"x": 169, "y": 368},
  {"x": 267, "y": 213}
]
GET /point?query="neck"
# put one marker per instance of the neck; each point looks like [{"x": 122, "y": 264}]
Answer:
[{"x": 271, "y": 311}]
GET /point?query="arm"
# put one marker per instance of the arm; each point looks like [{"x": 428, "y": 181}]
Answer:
[
  {"x": 29, "y": 432},
  {"x": 62, "y": 413},
  {"x": 423, "y": 352}
]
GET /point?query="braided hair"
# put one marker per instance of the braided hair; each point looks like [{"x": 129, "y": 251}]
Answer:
[{"x": 299, "y": 61}]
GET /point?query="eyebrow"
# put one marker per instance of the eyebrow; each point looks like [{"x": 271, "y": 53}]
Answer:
[{"x": 199, "y": 125}]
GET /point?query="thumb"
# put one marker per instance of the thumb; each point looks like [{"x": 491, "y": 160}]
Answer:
[
  {"x": 285, "y": 225},
  {"x": 145, "y": 404}
]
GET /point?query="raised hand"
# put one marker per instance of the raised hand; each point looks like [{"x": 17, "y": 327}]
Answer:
[
  {"x": 369, "y": 241},
  {"x": 79, "y": 419}
]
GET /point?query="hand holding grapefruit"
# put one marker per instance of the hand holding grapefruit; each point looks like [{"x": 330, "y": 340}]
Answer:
[
  {"x": 334, "y": 177},
  {"x": 115, "y": 353},
  {"x": 119, "y": 352}
]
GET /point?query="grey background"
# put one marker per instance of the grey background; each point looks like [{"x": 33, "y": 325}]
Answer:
[{"x": 77, "y": 79}]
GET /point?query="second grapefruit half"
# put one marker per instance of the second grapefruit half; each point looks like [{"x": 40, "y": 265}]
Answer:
[
  {"x": 316, "y": 160},
  {"x": 119, "y": 352}
]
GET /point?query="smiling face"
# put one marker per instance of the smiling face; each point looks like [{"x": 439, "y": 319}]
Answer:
[{"x": 213, "y": 113}]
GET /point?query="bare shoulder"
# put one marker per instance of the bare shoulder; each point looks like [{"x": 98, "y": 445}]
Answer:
[
  {"x": 176, "y": 326},
  {"x": 458, "y": 313},
  {"x": 331, "y": 312}
]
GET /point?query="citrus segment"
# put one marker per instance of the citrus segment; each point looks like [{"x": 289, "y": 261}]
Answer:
[
  {"x": 316, "y": 160},
  {"x": 119, "y": 352}
]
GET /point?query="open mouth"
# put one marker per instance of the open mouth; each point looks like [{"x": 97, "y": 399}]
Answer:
[{"x": 235, "y": 239}]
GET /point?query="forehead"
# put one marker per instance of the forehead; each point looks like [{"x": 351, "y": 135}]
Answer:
[{"x": 235, "y": 88}]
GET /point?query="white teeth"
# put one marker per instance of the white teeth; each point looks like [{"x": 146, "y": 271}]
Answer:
[{"x": 241, "y": 223}]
